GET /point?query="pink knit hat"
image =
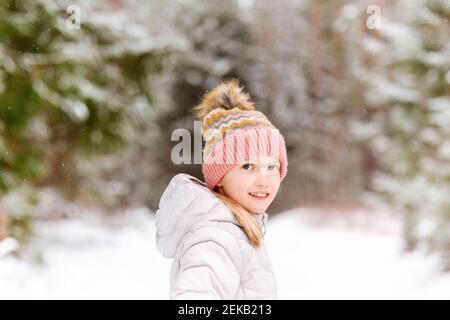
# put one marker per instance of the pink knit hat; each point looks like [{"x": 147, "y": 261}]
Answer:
[{"x": 234, "y": 132}]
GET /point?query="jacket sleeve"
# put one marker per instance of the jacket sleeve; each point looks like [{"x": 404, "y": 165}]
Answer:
[{"x": 208, "y": 270}]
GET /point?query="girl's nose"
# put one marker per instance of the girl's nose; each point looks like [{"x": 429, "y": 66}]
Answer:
[{"x": 262, "y": 179}]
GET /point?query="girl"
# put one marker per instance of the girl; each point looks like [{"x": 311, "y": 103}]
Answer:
[{"x": 214, "y": 230}]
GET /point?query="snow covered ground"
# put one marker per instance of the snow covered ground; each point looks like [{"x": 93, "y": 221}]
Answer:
[{"x": 315, "y": 256}]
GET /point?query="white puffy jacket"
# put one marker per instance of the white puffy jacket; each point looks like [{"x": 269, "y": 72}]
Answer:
[{"x": 213, "y": 258}]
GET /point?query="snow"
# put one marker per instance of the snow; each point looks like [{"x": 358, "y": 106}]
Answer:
[
  {"x": 316, "y": 254},
  {"x": 386, "y": 91},
  {"x": 76, "y": 109},
  {"x": 404, "y": 43},
  {"x": 7, "y": 246},
  {"x": 350, "y": 260},
  {"x": 350, "y": 11},
  {"x": 90, "y": 260}
]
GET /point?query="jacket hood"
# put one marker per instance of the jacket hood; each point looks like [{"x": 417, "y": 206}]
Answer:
[{"x": 187, "y": 202}]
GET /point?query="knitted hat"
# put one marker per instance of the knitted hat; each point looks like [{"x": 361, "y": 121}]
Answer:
[{"x": 234, "y": 132}]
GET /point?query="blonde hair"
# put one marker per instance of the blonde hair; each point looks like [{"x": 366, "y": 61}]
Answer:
[{"x": 245, "y": 218}]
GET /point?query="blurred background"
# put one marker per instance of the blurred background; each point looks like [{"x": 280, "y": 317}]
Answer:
[{"x": 91, "y": 92}]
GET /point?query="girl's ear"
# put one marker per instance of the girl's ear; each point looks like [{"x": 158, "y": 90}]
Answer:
[{"x": 219, "y": 184}]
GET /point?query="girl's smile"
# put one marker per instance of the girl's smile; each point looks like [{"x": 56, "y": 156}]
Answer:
[{"x": 259, "y": 195}]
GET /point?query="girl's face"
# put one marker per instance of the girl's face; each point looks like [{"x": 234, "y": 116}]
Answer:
[{"x": 253, "y": 184}]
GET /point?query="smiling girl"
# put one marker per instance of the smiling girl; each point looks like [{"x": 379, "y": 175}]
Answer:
[{"x": 214, "y": 230}]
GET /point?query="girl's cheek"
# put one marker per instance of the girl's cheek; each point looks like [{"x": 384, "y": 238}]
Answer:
[
  {"x": 276, "y": 180},
  {"x": 247, "y": 173}
]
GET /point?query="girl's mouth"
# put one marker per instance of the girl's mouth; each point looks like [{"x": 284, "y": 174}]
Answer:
[{"x": 259, "y": 195}]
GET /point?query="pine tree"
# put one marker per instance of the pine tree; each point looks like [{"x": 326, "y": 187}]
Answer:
[
  {"x": 67, "y": 93},
  {"x": 408, "y": 95}
]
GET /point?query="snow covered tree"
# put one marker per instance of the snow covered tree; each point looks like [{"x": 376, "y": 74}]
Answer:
[
  {"x": 407, "y": 91},
  {"x": 68, "y": 92}
]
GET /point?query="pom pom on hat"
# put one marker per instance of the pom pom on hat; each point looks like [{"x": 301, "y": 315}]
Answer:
[{"x": 227, "y": 95}]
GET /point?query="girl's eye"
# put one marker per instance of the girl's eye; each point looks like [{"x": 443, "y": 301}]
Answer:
[
  {"x": 273, "y": 167},
  {"x": 247, "y": 166}
]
